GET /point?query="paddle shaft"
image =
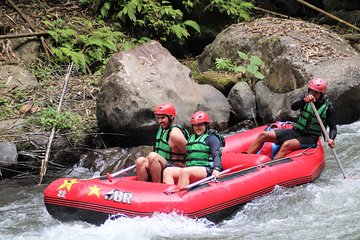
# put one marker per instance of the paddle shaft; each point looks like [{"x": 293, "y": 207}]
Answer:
[
  {"x": 122, "y": 171},
  {"x": 207, "y": 179},
  {"x": 111, "y": 176},
  {"x": 327, "y": 138},
  {"x": 204, "y": 180}
]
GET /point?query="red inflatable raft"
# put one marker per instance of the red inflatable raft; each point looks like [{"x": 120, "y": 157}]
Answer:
[{"x": 246, "y": 177}]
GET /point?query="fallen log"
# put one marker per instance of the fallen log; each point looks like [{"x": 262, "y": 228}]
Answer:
[{"x": 22, "y": 35}]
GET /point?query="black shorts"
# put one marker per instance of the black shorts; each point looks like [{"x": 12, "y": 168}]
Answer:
[
  {"x": 169, "y": 164},
  {"x": 306, "y": 141},
  {"x": 172, "y": 164}
]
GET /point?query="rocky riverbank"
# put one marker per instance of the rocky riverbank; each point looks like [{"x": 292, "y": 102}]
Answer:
[{"x": 291, "y": 54}]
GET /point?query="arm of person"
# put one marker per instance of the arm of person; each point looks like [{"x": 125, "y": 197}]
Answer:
[
  {"x": 215, "y": 147},
  {"x": 178, "y": 139},
  {"x": 299, "y": 101},
  {"x": 331, "y": 122}
]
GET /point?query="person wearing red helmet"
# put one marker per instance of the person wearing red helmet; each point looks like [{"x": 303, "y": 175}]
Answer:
[
  {"x": 307, "y": 129},
  {"x": 169, "y": 148},
  {"x": 203, "y": 154}
]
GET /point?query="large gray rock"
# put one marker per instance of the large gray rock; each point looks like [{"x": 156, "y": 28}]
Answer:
[
  {"x": 136, "y": 81},
  {"x": 242, "y": 101},
  {"x": 294, "y": 52},
  {"x": 8, "y": 154},
  {"x": 12, "y": 76},
  {"x": 275, "y": 106}
]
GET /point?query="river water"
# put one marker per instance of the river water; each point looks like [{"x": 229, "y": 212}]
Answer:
[{"x": 329, "y": 208}]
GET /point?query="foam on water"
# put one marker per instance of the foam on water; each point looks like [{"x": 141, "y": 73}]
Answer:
[{"x": 160, "y": 226}]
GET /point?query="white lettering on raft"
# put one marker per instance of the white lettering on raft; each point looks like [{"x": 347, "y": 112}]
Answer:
[{"x": 119, "y": 196}]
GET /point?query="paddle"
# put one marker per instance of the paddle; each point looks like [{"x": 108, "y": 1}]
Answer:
[
  {"x": 111, "y": 176},
  {"x": 204, "y": 180},
  {"x": 188, "y": 187},
  {"x": 327, "y": 138}
]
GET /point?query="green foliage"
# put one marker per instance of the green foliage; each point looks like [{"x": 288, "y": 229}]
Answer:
[
  {"x": 44, "y": 71},
  {"x": 159, "y": 17},
  {"x": 11, "y": 101},
  {"x": 224, "y": 64},
  {"x": 84, "y": 1},
  {"x": 62, "y": 121},
  {"x": 236, "y": 9},
  {"x": 89, "y": 43},
  {"x": 89, "y": 47},
  {"x": 248, "y": 66},
  {"x": 164, "y": 20}
]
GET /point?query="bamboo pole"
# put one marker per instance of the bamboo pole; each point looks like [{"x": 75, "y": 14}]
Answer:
[
  {"x": 273, "y": 13},
  {"x": 328, "y": 14},
  {"x": 52, "y": 135},
  {"x": 22, "y": 35}
]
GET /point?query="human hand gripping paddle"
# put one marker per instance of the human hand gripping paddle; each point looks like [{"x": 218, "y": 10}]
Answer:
[{"x": 327, "y": 138}]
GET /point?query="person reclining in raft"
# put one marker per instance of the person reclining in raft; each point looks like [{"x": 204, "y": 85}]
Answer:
[
  {"x": 169, "y": 149},
  {"x": 203, "y": 154},
  {"x": 307, "y": 129}
]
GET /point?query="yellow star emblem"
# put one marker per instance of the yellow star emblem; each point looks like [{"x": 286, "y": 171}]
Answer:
[
  {"x": 94, "y": 190},
  {"x": 68, "y": 184}
]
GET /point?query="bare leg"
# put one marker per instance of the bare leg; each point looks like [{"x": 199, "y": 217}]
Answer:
[
  {"x": 191, "y": 174},
  {"x": 171, "y": 175},
  {"x": 266, "y": 136},
  {"x": 142, "y": 166},
  {"x": 156, "y": 165},
  {"x": 287, "y": 146}
]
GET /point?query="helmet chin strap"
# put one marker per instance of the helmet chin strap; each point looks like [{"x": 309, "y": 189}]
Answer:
[{"x": 170, "y": 120}]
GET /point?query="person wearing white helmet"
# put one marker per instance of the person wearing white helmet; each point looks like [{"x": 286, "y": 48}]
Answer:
[
  {"x": 307, "y": 129},
  {"x": 169, "y": 149}
]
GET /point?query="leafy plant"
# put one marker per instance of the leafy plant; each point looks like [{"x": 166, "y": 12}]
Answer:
[
  {"x": 62, "y": 121},
  {"x": 224, "y": 64},
  {"x": 89, "y": 43},
  {"x": 50, "y": 117},
  {"x": 237, "y": 9},
  {"x": 157, "y": 16},
  {"x": 248, "y": 66},
  {"x": 89, "y": 48}
]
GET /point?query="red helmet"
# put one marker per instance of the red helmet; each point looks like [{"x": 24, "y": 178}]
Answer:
[
  {"x": 165, "y": 109},
  {"x": 317, "y": 84},
  {"x": 200, "y": 117}
]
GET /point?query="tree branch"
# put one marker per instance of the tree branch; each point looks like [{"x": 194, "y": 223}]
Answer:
[
  {"x": 328, "y": 14},
  {"x": 22, "y": 35}
]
